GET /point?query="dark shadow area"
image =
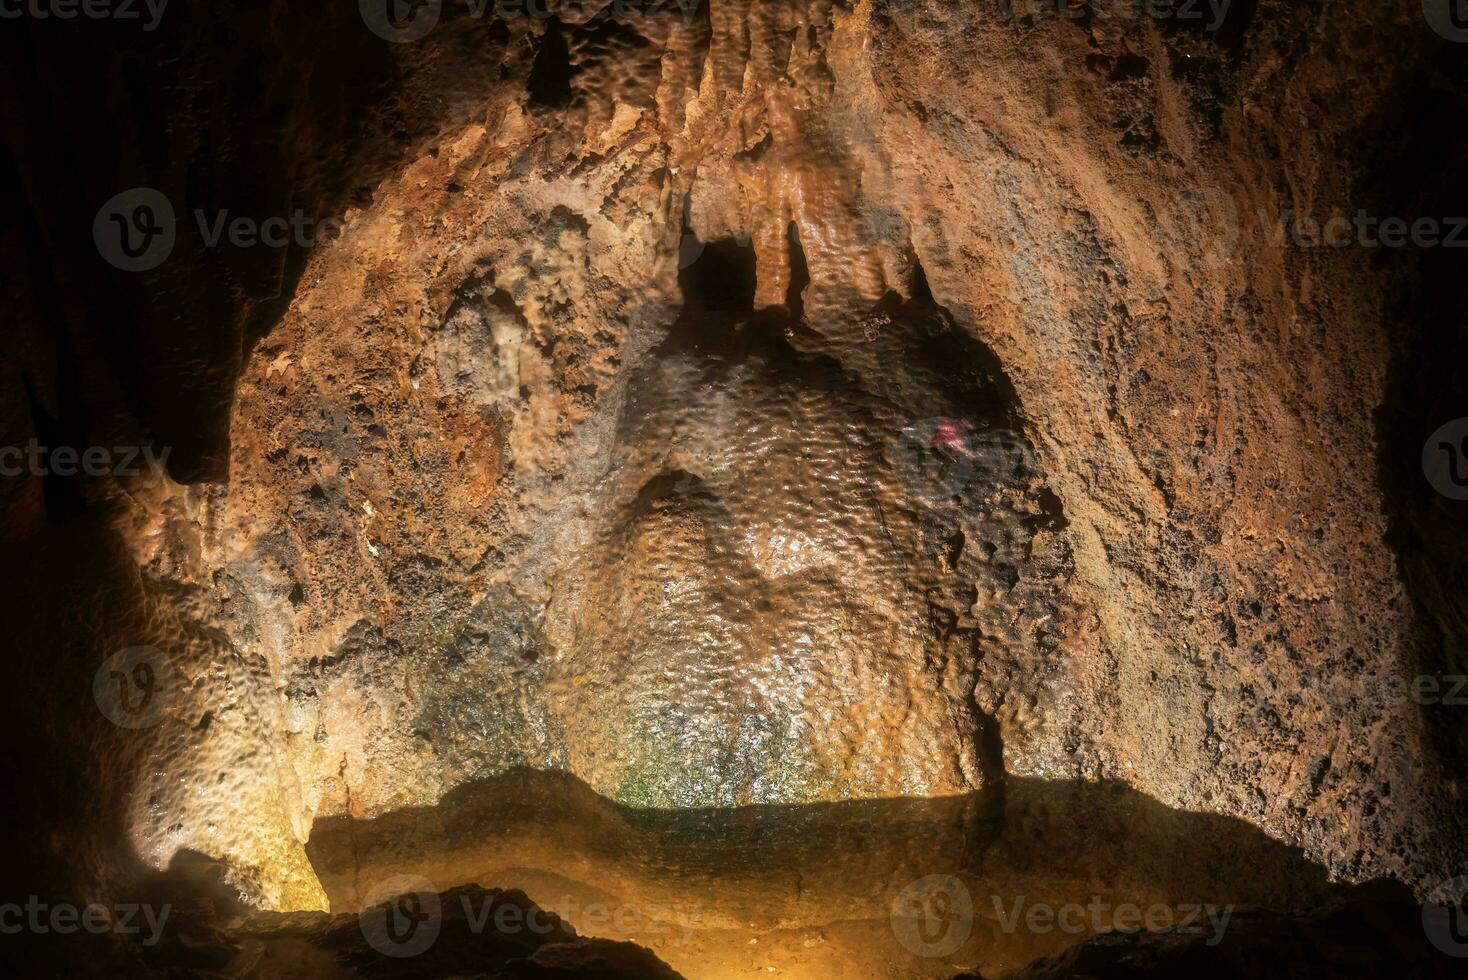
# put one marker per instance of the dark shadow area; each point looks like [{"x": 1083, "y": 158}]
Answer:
[
  {"x": 73, "y": 813},
  {"x": 799, "y": 274},
  {"x": 1422, "y": 152},
  {"x": 1372, "y": 931},
  {"x": 237, "y": 108},
  {"x": 720, "y": 280},
  {"x": 550, "y": 72},
  {"x": 961, "y": 366},
  {"x": 186, "y": 922}
]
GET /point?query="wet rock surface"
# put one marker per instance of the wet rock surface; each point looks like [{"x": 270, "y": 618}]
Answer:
[
  {"x": 786, "y": 404},
  {"x": 716, "y": 526},
  {"x": 553, "y": 455},
  {"x": 784, "y": 603}
]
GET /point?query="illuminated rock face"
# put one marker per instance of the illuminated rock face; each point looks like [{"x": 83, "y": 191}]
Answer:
[
  {"x": 503, "y": 491},
  {"x": 755, "y": 530},
  {"x": 793, "y": 561},
  {"x": 769, "y": 607}
]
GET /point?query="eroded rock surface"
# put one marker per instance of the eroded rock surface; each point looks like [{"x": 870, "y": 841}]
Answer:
[
  {"x": 692, "y": 488},
  {"x": 780, "y": 602},
  {"x": 617, "y": 434}
]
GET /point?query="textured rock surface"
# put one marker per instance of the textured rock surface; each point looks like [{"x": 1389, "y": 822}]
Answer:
[
  {"x": 746, "y": 534},
  {"x": 501, "y": 490}
]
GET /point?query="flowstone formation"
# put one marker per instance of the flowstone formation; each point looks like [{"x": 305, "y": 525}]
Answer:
[
  {"x": 779, "y": 580},
  {"x": 797, "y": 559},
  {"x": 802, "y": 402},
  {"x": 666, "y": 469}
]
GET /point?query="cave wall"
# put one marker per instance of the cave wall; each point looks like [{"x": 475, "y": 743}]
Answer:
[{"x": 388, "y": 452}]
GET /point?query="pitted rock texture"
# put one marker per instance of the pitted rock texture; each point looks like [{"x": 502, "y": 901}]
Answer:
[
  {"x": 752, "y": 530},
  {"x": 781, "y": 603},
  {"x": 780, "y": 582},
  {"x": 440, "y": 439},
  {"x": 495, "y": 384}
]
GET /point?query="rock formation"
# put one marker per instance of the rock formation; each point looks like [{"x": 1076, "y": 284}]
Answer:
[{"x": 736, "y": 405}]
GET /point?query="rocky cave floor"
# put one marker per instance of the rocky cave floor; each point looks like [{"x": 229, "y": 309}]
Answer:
[{"x": 722, "y": 488}]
